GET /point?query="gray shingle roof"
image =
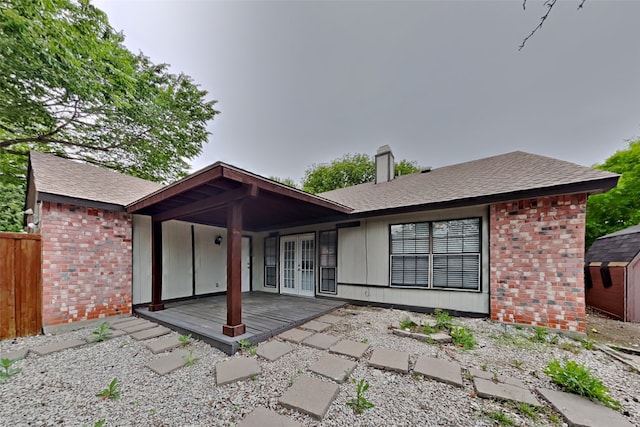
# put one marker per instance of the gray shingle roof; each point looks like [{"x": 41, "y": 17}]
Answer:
[
  {"x": 68, "y": 178},
  {"x": 502, "y": 175},
  {"x": 621, "y": 246}
]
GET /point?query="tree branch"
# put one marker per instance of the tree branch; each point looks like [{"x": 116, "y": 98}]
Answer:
[
  {"x": 9, "y": 142},
  {"x": 549, "y": 5}
]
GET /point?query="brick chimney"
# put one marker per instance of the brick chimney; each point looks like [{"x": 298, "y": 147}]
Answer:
[{"x": 384, "y": 164}]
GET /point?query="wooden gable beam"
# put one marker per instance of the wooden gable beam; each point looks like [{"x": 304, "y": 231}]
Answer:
[{"x": 210, "y": 203}]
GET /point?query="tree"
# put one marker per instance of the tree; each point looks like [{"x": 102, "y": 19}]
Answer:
[
  {"x": 70, "y": 87},
  {"x": 12, "y": 197},
  {"x": 619, "y": 207},
  {"x": 348, "y": 170},
  {"x": 286, "y": 181}
]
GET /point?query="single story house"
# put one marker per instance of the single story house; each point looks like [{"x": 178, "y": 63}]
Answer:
[
  {"x": 612, "y": 274},
  {"x": 501, "y": 237}
]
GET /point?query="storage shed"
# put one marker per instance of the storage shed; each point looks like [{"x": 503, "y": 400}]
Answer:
[{"x": 612, "y": 274}]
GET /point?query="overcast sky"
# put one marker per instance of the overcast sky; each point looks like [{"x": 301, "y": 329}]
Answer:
[{"x": 441, "y": 82}]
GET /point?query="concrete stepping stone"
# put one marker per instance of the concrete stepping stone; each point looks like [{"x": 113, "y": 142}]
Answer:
[
  {"x": 165, "y": 344},
  {"x": 262, "y": 417},
  {"x": 350, "y": 348},
  {"x": 321, "y": 341},
  {"x": 131, "y": 322},
  {"x": 15, "y": 354},
  {"x": 114, "y": 334},
  {"x": 333, "y": 367},
  {"x": 140, "y": 327},
  {"x": 273, "y": 350},
  {"x": 169, "y": 363},
  {"x": 120, "y": 320},
  {"x": 502, "y": 391},
  {"x": 329, "y": 318},
  {"x": 315, "y": 326},
  {"x": 295, "y": 335},
  {"x": 57, "y": 346},
  {"x": 486, "y": 375},
  {"x": 146, "y": 334},
  {"x": 392, "y": 360},
  {"x": 236, "y": 369},
  {"x": 310, "y": 396},
  {"x": 582, "y": 412},
  {"x": 439, "y": 370}
]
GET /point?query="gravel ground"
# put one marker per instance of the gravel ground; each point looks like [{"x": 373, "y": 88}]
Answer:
[{"x": 59, "y": 389}]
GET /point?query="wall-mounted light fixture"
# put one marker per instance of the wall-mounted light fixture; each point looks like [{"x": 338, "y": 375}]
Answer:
[
  {"x": 28, "y": 212},
  {"x": 218, "y": 240},
  {"x": 32, "y": 225}
]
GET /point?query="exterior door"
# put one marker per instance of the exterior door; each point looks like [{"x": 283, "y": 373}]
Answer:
[
  {"x": 297, "y": 261},
  {"x": 246, "y": 264}
]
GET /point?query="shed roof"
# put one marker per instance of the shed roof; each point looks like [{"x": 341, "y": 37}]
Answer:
[
  {"x": 498, "y": 178},
  {"x": 621, "y": 246},
  {"x": 55, "y": 177}
]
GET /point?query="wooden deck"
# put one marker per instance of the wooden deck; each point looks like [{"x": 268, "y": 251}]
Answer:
[{"x": 264, "y": 315}]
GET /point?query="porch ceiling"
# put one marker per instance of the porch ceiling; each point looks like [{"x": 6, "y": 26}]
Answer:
[{"x": 202, "y": 198}]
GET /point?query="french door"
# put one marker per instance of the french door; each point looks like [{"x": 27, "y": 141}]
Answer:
[{"x": 297, "y": 261}]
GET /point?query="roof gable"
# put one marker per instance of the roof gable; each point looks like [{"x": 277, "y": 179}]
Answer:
[
  {"x": 55, "y": 176},
  {"x": 621, "y": 246},
  {"x": 503, "y": 177}
]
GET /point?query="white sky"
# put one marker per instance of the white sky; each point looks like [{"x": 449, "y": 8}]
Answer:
[{"x": 441, "y": 82}]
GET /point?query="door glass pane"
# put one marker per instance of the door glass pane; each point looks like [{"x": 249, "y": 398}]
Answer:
[
  {"x": 307, "y": 265},
  {"x": 289, "y": 267}
]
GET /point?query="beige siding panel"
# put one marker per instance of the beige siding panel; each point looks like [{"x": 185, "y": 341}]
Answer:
[
  {"x": 141, "y": 259},
  {"x": 176, "y": 260},
  {"x": 633, "y": 291},
  {"x": 210, "y": 259},
  {"x": 377, "y": 252},
  {"x": 352, "y": 266}
]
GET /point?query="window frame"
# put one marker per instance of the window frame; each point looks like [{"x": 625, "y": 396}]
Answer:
[
  {"x": 442, "y": 255},
  {"x": 322, "y": 267},
  {"x": 274, "y": 265}
]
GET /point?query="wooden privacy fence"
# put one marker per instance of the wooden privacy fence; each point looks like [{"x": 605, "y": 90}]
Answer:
[{"x": 20, "y": 285}]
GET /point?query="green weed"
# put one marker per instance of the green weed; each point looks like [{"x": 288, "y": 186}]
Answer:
[
  {"x": 184, "y": 339},
  {"x": 501, "y": 418},
  {"x": 578, "y": 379},
  {"x": 527, "y": 410},
  {"x": 517, "y": 364},
  {"x": 444, "y": 321},
  {"x": 190, "y": 358},
  {"x": 112, "y": 392},
  {"x": 407, "y": 323},
  {"x": 103, "y": 332},
  {"x": 570, "y": 347},
  {"x": 360, "y": 403},
  {"x": 7, "y": 370},
  {"x": 588, "y": 343},
  {"x": 463, "y": 338},
  {"x": 247, "y": 346},
  {"x": 539, "y": 335}
]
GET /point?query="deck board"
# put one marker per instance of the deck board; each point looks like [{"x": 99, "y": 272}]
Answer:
[{"x": 263, "y": 314}]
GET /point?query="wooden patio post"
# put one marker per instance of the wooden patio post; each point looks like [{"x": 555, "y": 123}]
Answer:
[
  {"x": 234, "y": 326},
  {"x": 156, "y": 266}
]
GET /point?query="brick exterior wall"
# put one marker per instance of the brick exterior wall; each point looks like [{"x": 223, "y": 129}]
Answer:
[
  {"x": 537, "y": 261},
  {"x": 86, "y": 263}
]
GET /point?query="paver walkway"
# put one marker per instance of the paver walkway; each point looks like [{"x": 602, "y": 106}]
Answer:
[
  {"x": 146, "y": 334},
  {"x": 273, "y": 350},
  {"x": 262, "y": 417},
  {"x": 295, "y": 335},
  {"x": 165, "y": 344},
  {"x": 15, "y": 354},
  {"x": 315, "y": 326},
  {"x": 333, "y": 367},
  {"x": 582, "y": 412},
  {"x": 169, "y": 363},
  {"x": 321, "y": 341},
  {"x": 310, "y": 396},
  {"x": 237, "y": 369},
  {"x": 439, "y": 370},
  {"x": 392, "y": 360},
  {"x": 57, "y": 346}
]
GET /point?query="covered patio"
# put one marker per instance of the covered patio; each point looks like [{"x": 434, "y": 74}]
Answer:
[
  {"x": 264, "y": 316},
  {"x": 224, "y": 196}
]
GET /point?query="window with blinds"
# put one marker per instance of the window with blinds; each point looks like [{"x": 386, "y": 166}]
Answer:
[
  {"x": 328, "y": 247},
  {"x": 270, "y": 262},
  {"x": 439, "y": 254}
]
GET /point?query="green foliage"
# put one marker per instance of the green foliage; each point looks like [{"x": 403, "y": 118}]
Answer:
[
  {"x": 69, "y": 86},
  {"x": 444, "y": 321},
  {"x": 184, "y": 339},
  {"x": 360, "y": 403},
  {"x": 463, "y": 338},
  {"x": 11, "y": 205},
  {"x": 528, "y": 410},
  {"x": 100, "y": 423},
  {"x": 578, "y": 379},
  {"x": 428, "y": 329},
  {"x": 112, "y": 392},
  {"x": 588, "y": 343},
  {"x": 348, "y": 170},
  {"x": 539, "y": 335},
  {"x": 7, "y": 370},
  {"x": 501, "y": 418},
  {"x": 190, "y": 359},
  {"x": 102, "y": 333},
  {"x": 620, "y": 207},
  {"x": 407, "y": 323},
  {"x": 247, "y": 346},
  {"x": 517, "y": 364},
  {"x": 571, "y": 347}
]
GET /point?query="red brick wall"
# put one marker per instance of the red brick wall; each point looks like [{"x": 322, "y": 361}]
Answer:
[
  {"x": 86, "y": 263},
  {"x": 537, "y": 261}
]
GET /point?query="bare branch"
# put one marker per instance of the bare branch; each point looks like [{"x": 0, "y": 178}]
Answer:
[
  {"x": 582, "y": 2},
  {"x": 549, "y": 5},
  {"x": 43, "y": 139}
]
